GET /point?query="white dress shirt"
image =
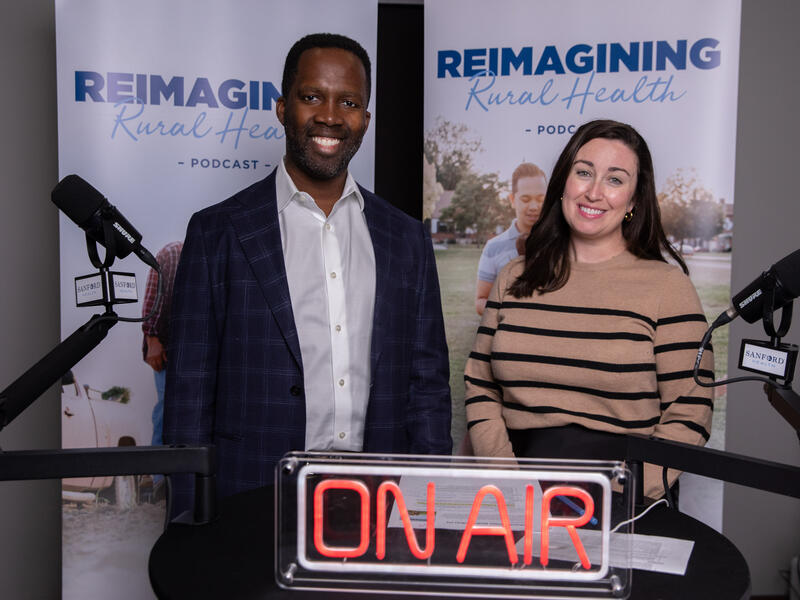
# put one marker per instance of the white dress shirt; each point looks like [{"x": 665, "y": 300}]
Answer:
[{"x": 330, "y": 267}]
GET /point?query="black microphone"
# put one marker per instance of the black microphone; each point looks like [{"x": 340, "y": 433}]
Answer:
[
  {"x": 783, "y": 278},
  {"x": 88, "y": 208}
]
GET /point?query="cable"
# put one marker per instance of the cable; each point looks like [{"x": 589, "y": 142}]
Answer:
[
  {"x": 112, "y": 316},
  {"x": 667, "y": 490},
  {"x": 721, "y": 320},
  {"x": 159, "y": 290},
  {"x": 640, "y": 515}
]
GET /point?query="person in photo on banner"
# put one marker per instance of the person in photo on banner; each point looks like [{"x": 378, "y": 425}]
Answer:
[
  {"x": 306, "y": 312},
  {"x": 592, "y": 332},
  {"x": 156, "y": 329},
  {"x": 528, "y": 186}
]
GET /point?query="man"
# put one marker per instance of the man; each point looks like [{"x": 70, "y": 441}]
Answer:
[
  {"x": 306, "y": 312},
  {"x": 528, "y": 187},
  {"x": 156, "y": 328}
]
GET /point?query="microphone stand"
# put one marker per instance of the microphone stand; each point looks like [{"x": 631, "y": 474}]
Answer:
[{"x": 89, "y": 462}]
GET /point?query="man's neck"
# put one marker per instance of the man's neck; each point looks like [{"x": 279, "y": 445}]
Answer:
[{"x": 325, "y": 192}]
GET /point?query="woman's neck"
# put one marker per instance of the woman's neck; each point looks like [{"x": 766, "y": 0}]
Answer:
[{"x": 595, "y": 251}]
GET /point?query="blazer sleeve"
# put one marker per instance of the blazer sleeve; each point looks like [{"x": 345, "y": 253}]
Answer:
[
  {"x": 429, "y": 392},
  {"x": 189, "y": 395}
]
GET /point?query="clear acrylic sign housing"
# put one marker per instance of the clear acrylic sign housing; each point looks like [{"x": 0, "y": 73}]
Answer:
[{"x": 459, "y": 526}]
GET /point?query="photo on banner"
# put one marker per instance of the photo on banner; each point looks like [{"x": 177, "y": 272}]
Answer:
[
  {"x": 506, "y": 85},
  {"x": 164, "y": 108}
]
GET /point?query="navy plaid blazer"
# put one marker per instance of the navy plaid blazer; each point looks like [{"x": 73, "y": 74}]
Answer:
[{"x": 234, "y": 370}]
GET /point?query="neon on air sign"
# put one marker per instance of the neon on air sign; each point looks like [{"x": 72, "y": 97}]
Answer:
[{"x": 363, "y": 523}]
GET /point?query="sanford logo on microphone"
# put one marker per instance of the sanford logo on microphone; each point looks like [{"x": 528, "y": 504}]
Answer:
[
  {"x": 106, "y": 288},
  {"x": 766, "y": 359}
]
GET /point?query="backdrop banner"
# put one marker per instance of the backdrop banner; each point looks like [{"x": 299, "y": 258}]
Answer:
[
  {"x": 165, "y": 108},
  {"x": 508, "y": 82}
]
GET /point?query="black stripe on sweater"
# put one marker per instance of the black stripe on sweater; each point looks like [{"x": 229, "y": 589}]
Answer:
[
  {"x": 483, "y": 383},
  {"x": 583, "y": 335},
  {"x": 574, "y": 362},
  {"x": 680, "y": 346},
  {"x": 685, "y": 375},
  {"x": 479, "y": 356},
  {"x": 693, "y": 426},
  {"x": 477, "y": 399},
  {"x": 580, "y": 310},
  {"x": 644, "y": 395},
  {"x": 688, "y": 318},
  {"x": 697, "y": 400},
  {"x": 627, "y": 424}
]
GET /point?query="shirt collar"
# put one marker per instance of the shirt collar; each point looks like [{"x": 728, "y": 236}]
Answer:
[{"x": 286, "y": 190}]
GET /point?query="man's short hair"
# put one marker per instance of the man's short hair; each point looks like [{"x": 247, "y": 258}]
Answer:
[
  {"x": 322, "y": 40},
  {"x": 526, "y": 169}
]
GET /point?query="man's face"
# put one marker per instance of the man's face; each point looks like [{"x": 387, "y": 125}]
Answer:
[
  {"x": 325, "y": 113},
  {"x": 528, "y": 200}
]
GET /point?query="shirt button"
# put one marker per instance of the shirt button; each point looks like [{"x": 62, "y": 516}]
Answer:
[
  {"x": 342, "y": 435},
  {"x": 341, "y": 382},
  {"x": 328, "y": 226},
  {"x": 338, "y": 328},
  {"x": 295, "y": 390},
  {"x": 333, "y": 274}
]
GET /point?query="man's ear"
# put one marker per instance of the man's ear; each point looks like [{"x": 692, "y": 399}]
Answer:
[
  {"x": 368, "y": 116},
  {"x": 511, "y": 200},
  {"x": 280, "y": 108}
]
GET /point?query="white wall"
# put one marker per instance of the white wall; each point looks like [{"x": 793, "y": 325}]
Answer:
[
  {"x": 30, "y": 512},
  {"x": 765, "y": 527}
]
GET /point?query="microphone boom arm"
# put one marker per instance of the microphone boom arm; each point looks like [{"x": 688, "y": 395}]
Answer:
[{"x": 34, "y": 382}]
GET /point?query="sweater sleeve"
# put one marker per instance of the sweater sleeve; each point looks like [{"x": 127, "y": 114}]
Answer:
[
  {"x": 484, "y": 395},
  {"x": 686, "y": 408}
]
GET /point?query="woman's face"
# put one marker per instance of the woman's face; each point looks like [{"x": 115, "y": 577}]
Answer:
[{"x": 599, "y": 191}]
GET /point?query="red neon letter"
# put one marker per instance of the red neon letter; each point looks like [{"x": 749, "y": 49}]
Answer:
[
  {"x": 504, "y": 529},
  {"x": 319, "y": 517},
  {"x": 391, "y": 486},
  {"x": 527, "y": 555},
  {"x": 570, "y": 524}
]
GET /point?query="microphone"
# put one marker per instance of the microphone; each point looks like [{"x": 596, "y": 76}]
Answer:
[
  {"x": 88, "y": 208},
  {"x": 783, "y": 277}
]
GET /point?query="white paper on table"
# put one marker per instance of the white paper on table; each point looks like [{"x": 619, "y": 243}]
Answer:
[
  {"x": 454, "y": 500},
  {"x": 636, "y": 550}
]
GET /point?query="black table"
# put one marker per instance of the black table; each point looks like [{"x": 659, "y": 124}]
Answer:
[{"x": 233, "y": 557}]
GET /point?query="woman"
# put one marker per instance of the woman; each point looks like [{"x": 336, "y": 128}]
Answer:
[{"x": 592, "y": 331}]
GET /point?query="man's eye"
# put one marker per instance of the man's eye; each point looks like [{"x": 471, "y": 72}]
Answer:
[
  {"x": 308, "y": 97},
  {"x": 350, "y": 104}
]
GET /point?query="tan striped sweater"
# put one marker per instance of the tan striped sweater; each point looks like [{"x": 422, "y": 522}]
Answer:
[{"x": 613, "y": 350}]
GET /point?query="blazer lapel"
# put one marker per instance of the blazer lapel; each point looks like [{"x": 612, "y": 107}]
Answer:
[
  {"x": 380, "y": 232},
  {"x": 259, "y": 233}
]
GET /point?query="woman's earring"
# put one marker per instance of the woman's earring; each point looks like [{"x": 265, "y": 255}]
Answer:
[{"x": 629, "y": 215}]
